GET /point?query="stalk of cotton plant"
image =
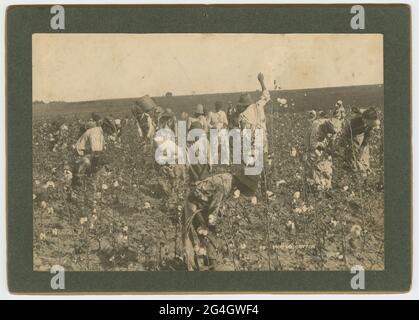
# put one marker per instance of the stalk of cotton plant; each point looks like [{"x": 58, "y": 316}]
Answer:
[{"x": 267, "y": 218}]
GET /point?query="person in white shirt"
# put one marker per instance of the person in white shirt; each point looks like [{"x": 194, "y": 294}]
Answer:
[
  {"x": 90, "y": 147},
  {"x": 218, "y": 119},
  {"x": 252, "y": 115}
]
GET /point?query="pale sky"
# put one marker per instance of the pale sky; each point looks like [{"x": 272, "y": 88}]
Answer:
[{"x": 77, "y": 67}]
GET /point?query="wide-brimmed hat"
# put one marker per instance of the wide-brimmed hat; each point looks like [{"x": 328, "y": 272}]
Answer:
[
  {"x": 199, "y": 109},
  {"x": 247, "y": 184},
  {"x": 146, "y": 103},
  {"x": 167, "y": 114},
  {"x": 312, "y": 114},
  {"x": 245, "y": 100},
  {"x": 96, "y": 117},
  {"x": 370, "y": 114}
]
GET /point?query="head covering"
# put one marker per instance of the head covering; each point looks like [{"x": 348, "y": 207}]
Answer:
[
  {"x": 370, "y": 114},
  {"x": 339, "y": 103},
  {"x": 245, "y": 100},
  {"x": 328, "y": 127},
  {"x": 167, "y": 114},
  {"x": 159, "y": 110},
  {"x": 146, "y": 103},
  {"x": 199, "y": 109},
  {"x": 322, "y": 114},
  {"x": 312, "y": 114},
  {"x": 247, "y": 184},
  {"x": 95, "y": 116}
]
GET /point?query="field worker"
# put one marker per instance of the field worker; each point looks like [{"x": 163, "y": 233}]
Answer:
[
  {"x": 89, "y": 147},
  {"x": 318, "y": 158},
  {"x": 145, "y": 123},
  {"x": 198, "y": 171},
  {"x": 338, "y": 118},
  {"x": 168, "y": 120},
  {"x": 355, "y": 140},
  {"x": 108, "y": 125},
  {"x": 251, "y": 114},
  {"x": 59, "y": 137},
  {"x": 218, "y": 119},
  {"x": 321, "y": 115},
  {"x": 171, "y": 175},
  {"x": 312, "y": 115},
  {"x": 199, "y": 115},
  {"x": 97, "y": 118},
  {"x": 232, "y": 116},
  {"x": 184, "y": 116},
  {"x": 118, "y": 125},
  {"x": 202, "y": 210},
  {"x": 155, "y": 114}
]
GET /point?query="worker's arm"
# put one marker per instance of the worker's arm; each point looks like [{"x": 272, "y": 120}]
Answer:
[
  {"x": 81, "y": 144},
  {"x": 263, "y": 100}
]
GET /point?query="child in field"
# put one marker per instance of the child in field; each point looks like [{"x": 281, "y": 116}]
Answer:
[{"x": 355, "y": 140}]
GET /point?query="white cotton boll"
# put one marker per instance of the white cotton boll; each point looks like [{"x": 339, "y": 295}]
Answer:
[
  {"x": 50, "y": 184},
  {"x": 278, "y": 183},
  {"x": 356, "y": 230},
  {"x": 345, "y": 188},
  {"x": 293, "y": 152},
  {"x": 298, "y": 210},
  {"x": 297, "y": 195},
  {"x": 68, "y": 175},
  {"x": 202, "y": 231},
  {"x": 212, "y": 219},
  {"x": 104, "y": 186},
  {"x": 147, "y": 205},
  {"x": 254, "y": 200},
  {"x": 43, "y": 205},
  {"x": 202, "y": 251},
  {"x": 236, "y": 194}
]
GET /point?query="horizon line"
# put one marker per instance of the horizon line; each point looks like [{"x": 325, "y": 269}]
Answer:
[{"x": 202, "y": 94}]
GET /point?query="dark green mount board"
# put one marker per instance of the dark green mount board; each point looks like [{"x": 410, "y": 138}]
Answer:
[{"x": 393, "y": 22}]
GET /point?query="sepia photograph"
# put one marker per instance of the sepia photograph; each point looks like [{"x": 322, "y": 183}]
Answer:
[{"x": 208, "y": 151}]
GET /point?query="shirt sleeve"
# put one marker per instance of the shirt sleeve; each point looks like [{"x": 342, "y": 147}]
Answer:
[
  {"x": 140, "y": 131},
  {"x": 263, "y": 100},
  {"x": 81, "y": 144},
  {"x": 224, "y": 119},
  {"x": 150, "y": 127}
]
